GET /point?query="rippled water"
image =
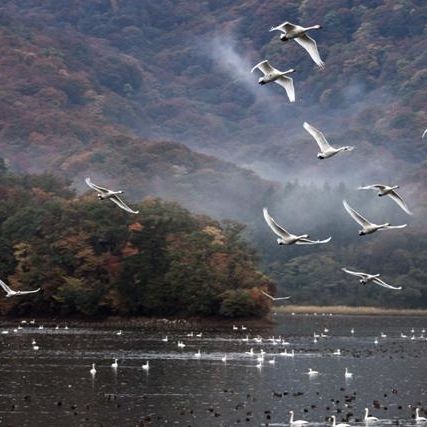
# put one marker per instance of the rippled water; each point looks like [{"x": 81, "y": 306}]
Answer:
[{"x": 52, "y": 386}]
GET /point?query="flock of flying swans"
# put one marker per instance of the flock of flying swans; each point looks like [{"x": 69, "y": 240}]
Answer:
[{"x": 270, "y": 74}]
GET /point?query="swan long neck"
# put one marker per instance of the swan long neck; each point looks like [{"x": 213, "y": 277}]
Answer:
[
  {"x": 313, "y": 27},
  {"x": 292, "y": 418}
]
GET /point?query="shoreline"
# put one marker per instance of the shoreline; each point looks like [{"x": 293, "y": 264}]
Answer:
[
  {"x": 156, "y": 323},
  {"x": 349, "y": 310}
]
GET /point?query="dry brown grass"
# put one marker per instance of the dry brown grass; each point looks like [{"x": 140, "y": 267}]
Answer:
[{"x": 344, "y": 309}]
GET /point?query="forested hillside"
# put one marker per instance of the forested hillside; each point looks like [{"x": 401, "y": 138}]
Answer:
[
  {"x": 132, "y": 92},
  {"x": 91, "y": 258}
]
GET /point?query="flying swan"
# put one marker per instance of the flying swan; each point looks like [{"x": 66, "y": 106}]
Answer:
[
  {"x": 385, "y": 190},
  {"x": 368, "y": 227},
  {"x": 366, "y": 278},
  {"x": 104, "y": 193},
  {"x": 291, "y": 31},
  {"x": 272, "y": 74},
  {"x": 286, "y": 238},
  {"x": 273, "y": 298},
  {"x": 326, "y": 150},
  {"x": 12, "y": 293}
]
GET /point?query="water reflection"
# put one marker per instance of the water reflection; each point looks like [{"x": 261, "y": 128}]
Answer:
[{"x": 54, "y": 382}]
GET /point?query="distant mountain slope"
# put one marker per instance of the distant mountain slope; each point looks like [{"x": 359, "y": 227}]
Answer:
[
  {"x": 103, "y": 88},
  {"x": 180, "y": 70}
]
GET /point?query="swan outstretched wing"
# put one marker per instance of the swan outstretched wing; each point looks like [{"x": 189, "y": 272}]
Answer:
[
  {"x": 285, "y": 27},
  {"x": 29, "y": 292},
  {"x": 385, "y": 285},
  {"x": 310, "y": 46},
  {"x": 277, "y": 229},
  {"x": 373, "y": 187},
  {"x": 94, "y": 186},
  {"x": 354, "y": 273},
  {"x": 395, "y": 197},
  {"x": 121, "y": 204},
  {"x": 390, "y": 227},
  {"x": 273, "y": 298},
  {"x": 5, "y": 287},
  {"x": 424, "y": 133},
  {"x": 356, "y": 215},
  {"x": 264, "y": 66},
  {"x": 312, "y": 242},
  {"x": 318, "y": 136},
  {"x": 288, "y": 84}
]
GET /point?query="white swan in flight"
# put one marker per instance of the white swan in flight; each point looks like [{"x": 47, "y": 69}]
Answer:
[
  {"x": 286, "y": 238},
  {"x": 326, "y": 150},
  {"x": 105, "y": 193},
  {"x": 12, "y": 293},
  {"x": 369, "y": 419},
  {"x": 368, "y": 227},
  {"x": 272, "y": 74},
  {"x": 293, "y": 422},
  {"x": 334, "y": 423},
  {"x": 385, "y": 190},
  {"x": 366, "y": 278},
  {"x": 298, "y": 33},
  {"x": 273, "y": 298}
]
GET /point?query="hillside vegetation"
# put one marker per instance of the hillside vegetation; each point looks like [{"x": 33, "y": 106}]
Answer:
[
  {"x": 157, "y": 99},
  {"x": 91, "y": 258}
]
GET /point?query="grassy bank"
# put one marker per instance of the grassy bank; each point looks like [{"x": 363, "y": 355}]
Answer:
[{"x": 344, "y": 309}]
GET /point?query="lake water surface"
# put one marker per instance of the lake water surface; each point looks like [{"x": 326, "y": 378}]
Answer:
[{"x": 52, "y": 385}]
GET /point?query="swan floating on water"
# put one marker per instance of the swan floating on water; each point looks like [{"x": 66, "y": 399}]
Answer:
[
  {"x": 93, "y": 370},
  {"x": 146, "y": 366},
  {"x": 11, "y": 293},
  {"x": 367, "y": 226},
  {"x": 293, "y": 422},
  {"x": 311, "y": 372},
  {"x": 334, "y": 424},
  {"x": 286, "y": 238},
  {"x": 105, "y": 193},
  {"x": 348, "y": 374},
  {"x": 115, "y": 365},
  {"x": 385, "y": 190},
  {"x": 298, "y": 33},
  {"x": 326, "y": 150},
  {"x": 369, "y": 419},
  {"x": 366, "y": 278},
  {"x": 272, "y": 74},
  {"x": 419, "y": 419}
]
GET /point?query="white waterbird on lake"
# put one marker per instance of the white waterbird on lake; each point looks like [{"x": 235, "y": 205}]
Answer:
[
  {"x": 293, "y": 422},
  {"x": 93, "y": 369},
  {"x": 105, "y": 193},
  {"x": 146, "y": 366},
  {"x": 367, "y": 226},
  {"x": 286, "y": 238},
  {"x": 385, "y": 190},
  {"x": 369, "y": 419},
  {"x": 334, "y": 423},
  {"x": 326, "y": 150},
  {"x": 299, "y": 34},
  {"x": 348, "y": 374},
  {"x": 115, "y": 365},
  {"x": 272, "y": 74},
  {"x": 366, "y": 278},
  {"x": 419, "y": 419},
  {"x": 11, "y": 293}
]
